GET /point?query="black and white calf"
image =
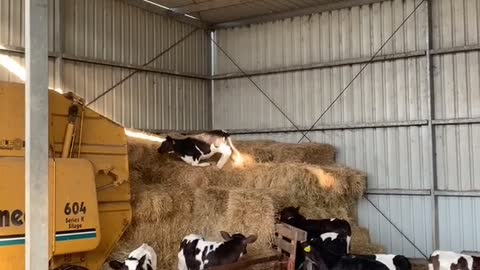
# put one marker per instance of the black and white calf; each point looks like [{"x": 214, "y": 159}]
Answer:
[
  {"x": 393, "y": 262},
  {"x": 332, "y": 245},
  {"x": 142, "y": 258},
  {"x": 316, "y": 227},
  {"x": 447, "y": 260},
  {"x": 194, "y": 148},
  {"x": 322, "y": 259},
  {"x": 197, "y": 254}
]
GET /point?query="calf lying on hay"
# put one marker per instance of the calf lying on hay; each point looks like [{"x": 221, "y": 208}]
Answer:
[{"x": 172, "y": 199}]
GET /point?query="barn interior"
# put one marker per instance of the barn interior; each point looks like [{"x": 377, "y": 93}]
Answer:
[{"x": 366, "y": 110}]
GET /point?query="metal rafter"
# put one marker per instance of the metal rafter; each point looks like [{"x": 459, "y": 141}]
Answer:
[
  {"x": 209, "y": 5},
  {"x": 168, "y": 13}
]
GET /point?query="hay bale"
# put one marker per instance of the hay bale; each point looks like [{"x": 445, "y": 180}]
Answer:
[
  {"x": 265, "y": 151},
  {"x": 158, "y": 225},
  {"x": 209, "y": 211},
  {"x": 253, "y": 212},
  {"x": 172, "y": 199},
  {"x": 361, "y": 242}
]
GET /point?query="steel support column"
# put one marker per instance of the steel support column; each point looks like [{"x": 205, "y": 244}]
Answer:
[
  {"x": 59, "y": 41},
  {"x": 36, "y": 133},
  {"x": 431, "y": 128}
]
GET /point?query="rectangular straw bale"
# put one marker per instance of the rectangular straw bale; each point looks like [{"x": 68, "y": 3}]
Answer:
[
  {"x": 269, "y": 151},
  {"x": 253, "y": 212},
  {"x": 209, "y": 211},
  {"x": 361, "y": 242}
]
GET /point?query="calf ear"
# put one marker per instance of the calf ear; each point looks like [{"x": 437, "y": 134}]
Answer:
[
  {"x": 142, "y": 259},
  {"x": 297, "y": 208},
  {"x": 225, "y": 235},
  {"x": 251, "y": 239},
  {"x": 168, "y": 138},
  {"x": 115, "y": 264}
]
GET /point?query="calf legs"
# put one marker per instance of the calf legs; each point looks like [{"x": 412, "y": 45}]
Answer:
[
  {"x": 198, "y": 164},
  {"x": 194, "y": 162},
  {"x": 226, "y": 152},
  {"x": 349, "y": 239}
]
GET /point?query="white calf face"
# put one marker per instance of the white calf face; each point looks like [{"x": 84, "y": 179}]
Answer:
[
  {"x": 133, "y": 265},
  {"x": 129, "y": 264}
]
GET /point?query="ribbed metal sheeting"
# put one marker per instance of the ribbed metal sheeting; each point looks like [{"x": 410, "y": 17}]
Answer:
[
  {"x": 7, "y": 76},
  {"x": 329, "y": 36},
  {"x": 113, "y": 31},
  {"x": 116, "y": 31},
  {"x": 386, "y": 92},
  {"x": 12, "y": 23},
  {"x": 457, "y": 90},
  {"x": 234, "y": 10},
  {"x": 145, "y": 101}
]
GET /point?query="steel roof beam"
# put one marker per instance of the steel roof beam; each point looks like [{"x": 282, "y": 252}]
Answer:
[
  {"x": 204, "y": 6},
  {"x": 168, "y": 13}
]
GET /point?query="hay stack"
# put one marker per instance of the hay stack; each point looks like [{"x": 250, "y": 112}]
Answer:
[{"x": 172, "y": 199}]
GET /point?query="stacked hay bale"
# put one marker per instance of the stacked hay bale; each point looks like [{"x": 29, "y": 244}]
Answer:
[{"x": 172, "y": 199}]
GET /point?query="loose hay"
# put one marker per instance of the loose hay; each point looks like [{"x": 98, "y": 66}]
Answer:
[{"x": 172, "y": 199}]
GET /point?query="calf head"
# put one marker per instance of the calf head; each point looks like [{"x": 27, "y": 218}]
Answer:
[
  {"x": 331, "y": 247},
  {"x": 129, "y": 264},
  {"x": 401, "y": 262},
  {"x": 290, "y": 213},
  {"x": 239, "y": 240},
  {"x": 313, "y": 254},
  {"x": 166, "y": 146},
  {"x": 334, "y": 243}
]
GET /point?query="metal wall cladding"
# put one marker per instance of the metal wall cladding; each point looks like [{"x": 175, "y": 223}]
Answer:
[
  {"x": 458, "y": 218},
  {"x": 329, "y": 36},
  {"x": 457, "y": 85},
  {"x": 455, "y": 23},
  {"x": 146, "y": 100},
  {"x": 12, "y": 23},
  {"x": 458, "y": 156},
  {"x": 457, "y": 96},
  {"x": 8, "y": 76},
  {"x": 115, "y": 31},
  {"x": 411, "y": 214},
  {"x": 385, "y": 91}
]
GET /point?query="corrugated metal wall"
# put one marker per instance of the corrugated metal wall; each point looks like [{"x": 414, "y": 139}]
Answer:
[
  {"x": 14, "y": 59},
  {"x": 12, "y": 23},
  {"x": 145, "y": 101},
  {"x": 457, "y": 96},
  {"x": 387, "y": 92},
  {"x": 100, "y": 32}
]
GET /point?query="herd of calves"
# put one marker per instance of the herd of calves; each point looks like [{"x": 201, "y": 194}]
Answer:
[{"x": 327, "y": 248}]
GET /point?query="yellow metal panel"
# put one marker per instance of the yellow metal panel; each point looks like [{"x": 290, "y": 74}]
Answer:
[
  {"x": 99, "y": 178},
  {"x": 12, "y": 213},
  {"x": 76, "y": 206}
]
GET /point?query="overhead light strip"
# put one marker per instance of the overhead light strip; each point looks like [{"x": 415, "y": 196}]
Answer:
[
  {"x": 157, "y": 4},
  {"x": 167, "y": 8}
]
